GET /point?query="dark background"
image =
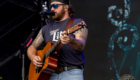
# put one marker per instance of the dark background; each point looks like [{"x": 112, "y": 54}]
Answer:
[{"x": 94, "y": 13}]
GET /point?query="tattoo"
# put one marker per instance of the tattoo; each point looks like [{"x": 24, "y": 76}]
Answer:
[
  {"x": 82, "y": 37},
  {"x": 80, "y": 47},
  {"x": 82, "y": 34},
  {"x": 38, "y": 40},
  {"x": 77, "y": 44},
  {"x": 73, "y": 42}
]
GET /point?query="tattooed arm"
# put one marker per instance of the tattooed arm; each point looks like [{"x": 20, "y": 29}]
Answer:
[
  {"x": 78, "y": 43},
  {"x": 31, "y": 52}
]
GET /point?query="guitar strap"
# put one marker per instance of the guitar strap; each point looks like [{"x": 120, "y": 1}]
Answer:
[{"x": 69, "y": 24}]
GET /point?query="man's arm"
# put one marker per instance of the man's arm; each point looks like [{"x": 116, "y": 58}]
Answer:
[
  {"x": 31, "y": 52},
  {"x": 77, "y": 43}
]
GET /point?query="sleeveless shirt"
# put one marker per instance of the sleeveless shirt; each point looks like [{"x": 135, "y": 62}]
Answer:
[{"x": 68, "y": 56}]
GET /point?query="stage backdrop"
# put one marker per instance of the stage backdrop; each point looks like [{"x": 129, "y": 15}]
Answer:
[{"x": 113, "y": 45}]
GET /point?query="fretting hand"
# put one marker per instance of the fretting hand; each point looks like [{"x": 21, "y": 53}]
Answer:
[{"x": 65, "y": 39}]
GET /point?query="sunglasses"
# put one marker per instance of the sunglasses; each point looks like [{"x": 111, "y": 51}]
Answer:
[{"x": 54, "y": 6}]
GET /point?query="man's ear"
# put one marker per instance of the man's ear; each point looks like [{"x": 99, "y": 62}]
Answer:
[{"x": 66, "y": 6}]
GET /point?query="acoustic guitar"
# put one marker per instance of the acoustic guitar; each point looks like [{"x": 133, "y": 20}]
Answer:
[{"x": 49, "y": 58}]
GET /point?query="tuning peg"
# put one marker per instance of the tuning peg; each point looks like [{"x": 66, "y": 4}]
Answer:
[{"x": 81, "y": 25}]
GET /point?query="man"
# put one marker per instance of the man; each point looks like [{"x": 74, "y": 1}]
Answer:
[{"x": 71, "y": 56}]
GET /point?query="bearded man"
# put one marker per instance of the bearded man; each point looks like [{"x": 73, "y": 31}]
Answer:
[{"x": 71, "y": 57}]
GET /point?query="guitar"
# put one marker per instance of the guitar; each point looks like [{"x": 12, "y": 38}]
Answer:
[{"x": 49, "y": 57}]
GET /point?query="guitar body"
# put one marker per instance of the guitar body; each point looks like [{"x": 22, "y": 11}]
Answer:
[{"x": 48, "y": 68}]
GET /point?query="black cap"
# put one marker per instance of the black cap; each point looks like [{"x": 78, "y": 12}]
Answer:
[{"x": 63, "y": 1}]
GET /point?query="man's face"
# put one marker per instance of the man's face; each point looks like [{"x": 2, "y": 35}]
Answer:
[{"x": 59, "y": 11}]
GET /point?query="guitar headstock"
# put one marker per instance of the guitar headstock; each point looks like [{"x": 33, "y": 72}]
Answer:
[{"x": 78, "y": 26}]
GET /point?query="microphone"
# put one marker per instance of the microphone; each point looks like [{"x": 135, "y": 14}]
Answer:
[{"x": 47, "y": 13}]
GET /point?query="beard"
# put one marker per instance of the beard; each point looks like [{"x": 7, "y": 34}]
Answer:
[{"x": 59, "y": 16}]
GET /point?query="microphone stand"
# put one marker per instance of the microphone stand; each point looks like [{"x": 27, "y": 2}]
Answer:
[{"x": 23, "y": 49}]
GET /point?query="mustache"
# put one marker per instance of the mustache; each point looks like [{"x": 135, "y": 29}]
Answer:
[{"x": 54, "y": 13}]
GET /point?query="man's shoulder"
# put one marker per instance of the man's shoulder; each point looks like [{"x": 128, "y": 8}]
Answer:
[
  {"x": 77, "y": 20},
  {"x": 48, "y": 25}
]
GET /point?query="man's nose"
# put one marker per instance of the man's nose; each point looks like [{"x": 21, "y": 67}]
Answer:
[{"x": 52, "y": 9}]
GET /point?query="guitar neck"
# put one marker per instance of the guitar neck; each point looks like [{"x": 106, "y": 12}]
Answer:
[{"x": 53, "y": 48}]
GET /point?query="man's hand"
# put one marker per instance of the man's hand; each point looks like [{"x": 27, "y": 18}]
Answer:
[
  {"x": 32, "y": 49},
  {"x": 77, "y": 43},
  {"x": 37, "y": 61},
  {"x": 65, "y": 39}
]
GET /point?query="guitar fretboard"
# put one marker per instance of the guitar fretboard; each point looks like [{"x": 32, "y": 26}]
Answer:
[{"x": 51, "y": 50}]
